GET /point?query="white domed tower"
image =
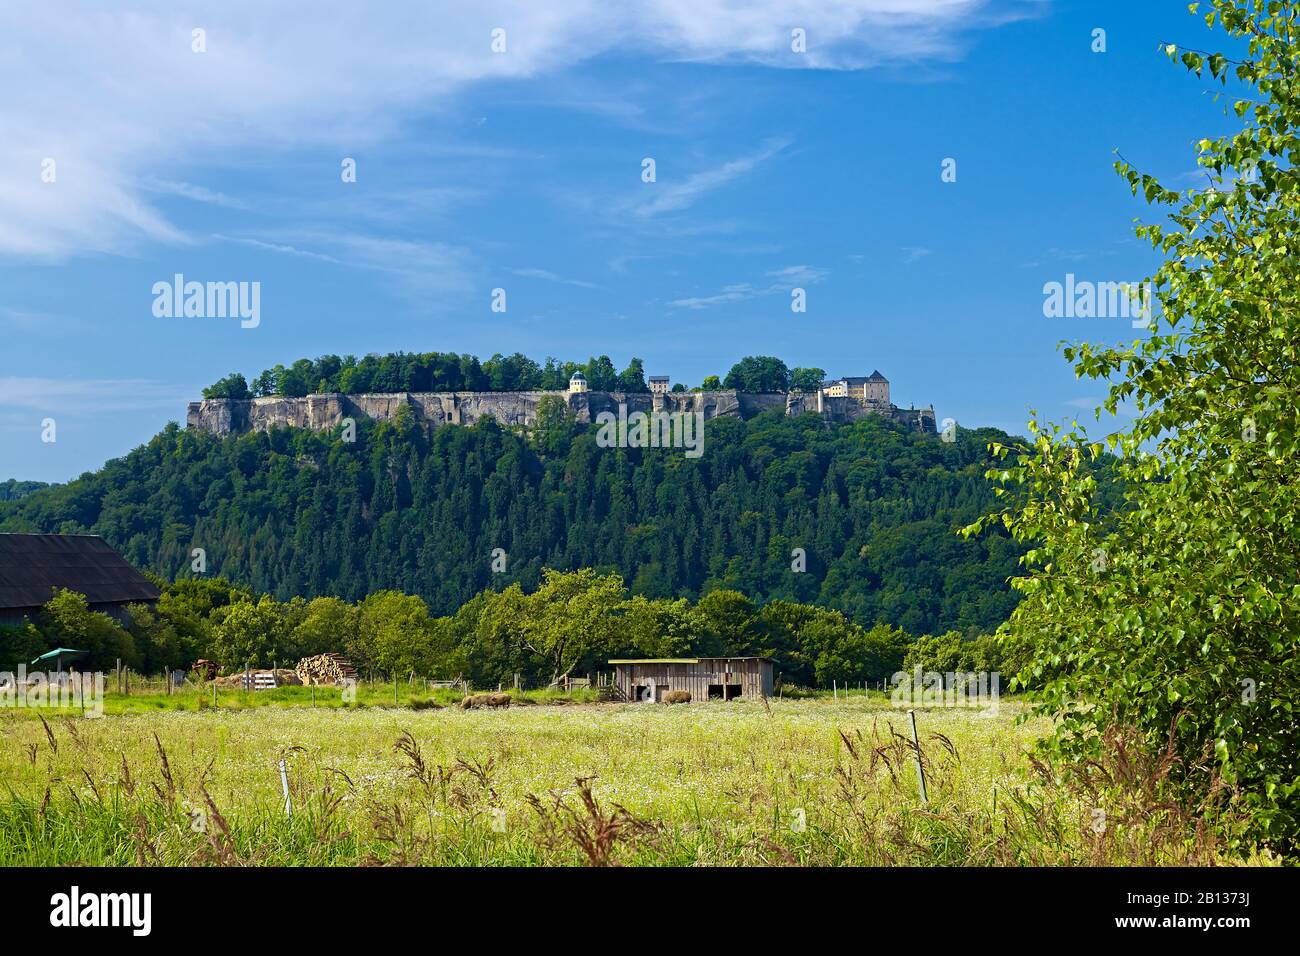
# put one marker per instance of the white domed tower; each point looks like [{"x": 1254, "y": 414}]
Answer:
[{"x": 578, "y": 383}]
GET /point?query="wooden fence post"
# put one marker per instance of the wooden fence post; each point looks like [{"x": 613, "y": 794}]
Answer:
[{"x": 284, "y": 786}]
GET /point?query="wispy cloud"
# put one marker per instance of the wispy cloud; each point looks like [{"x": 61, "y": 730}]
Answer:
[
  {"x": 283, "y": 248},
  {"x": 124, "y": 100},
  {"x": 731, "y": 293},
  {"x": 547, "y": 276},
  {"x": 673, "y": 197},
  {"x": 782, "y": 280},
  {"x": 791, "y": 276},
  {"x": 197, "y": 193},
  {"x": 422, "y": 268}
]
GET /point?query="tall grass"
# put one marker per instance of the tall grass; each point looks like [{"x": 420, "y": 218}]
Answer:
[{"x": 806, "y": 782}]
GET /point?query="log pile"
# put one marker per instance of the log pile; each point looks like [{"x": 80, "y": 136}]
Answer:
[{"x": 325, "y": 669}]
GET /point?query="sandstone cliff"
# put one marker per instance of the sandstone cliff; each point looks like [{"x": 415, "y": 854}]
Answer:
[{"x": 226, "y": 416}]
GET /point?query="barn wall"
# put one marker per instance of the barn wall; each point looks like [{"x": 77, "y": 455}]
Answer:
[
  {"x": 15, "y": 617},
  {"x": 753, "y": 676}
]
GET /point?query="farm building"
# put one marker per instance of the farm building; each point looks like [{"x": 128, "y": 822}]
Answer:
[
  {"x": 32, "y": 566},
  {"x": 706, "y": 678}
]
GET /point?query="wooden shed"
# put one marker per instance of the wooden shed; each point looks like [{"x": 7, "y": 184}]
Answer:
[{"x": 706, "y": 678}]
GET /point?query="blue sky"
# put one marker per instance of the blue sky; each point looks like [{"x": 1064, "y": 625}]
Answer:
[{"x": 522, "y": 171}]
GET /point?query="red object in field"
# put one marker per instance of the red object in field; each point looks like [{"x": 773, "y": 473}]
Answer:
[{"x": 206, "y": 669}]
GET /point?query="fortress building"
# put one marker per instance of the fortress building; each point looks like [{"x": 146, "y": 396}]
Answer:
[
  {"x": 874, "y": 388},
  {"x": 843, "y": 400}
]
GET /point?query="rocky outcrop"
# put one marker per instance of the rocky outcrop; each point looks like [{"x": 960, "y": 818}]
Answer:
[{"x": 228, "y": 416}]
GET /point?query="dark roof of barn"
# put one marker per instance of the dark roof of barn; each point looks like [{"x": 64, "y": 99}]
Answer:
[{"x": 33, "y": 565}]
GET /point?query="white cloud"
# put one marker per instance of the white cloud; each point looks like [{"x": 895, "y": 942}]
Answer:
[{"x": 118, "y": 99}]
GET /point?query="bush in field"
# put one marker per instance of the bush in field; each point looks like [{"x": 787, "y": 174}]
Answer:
[
  {"x": 393, "y": 633},
  {"x": 816, "y": 646},
  {"x": 158, "y": 645},
  {"x": 67, "y": 621},
  {"x": 249, "y": 633},
  {"x": 327, "y": 624},
  {"x": 18, "y": 645},
  {"x": 1177, "y": 614},
  {"x": 952, "y": 652}
]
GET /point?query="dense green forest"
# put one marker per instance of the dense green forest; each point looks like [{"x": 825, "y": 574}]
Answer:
[
  {"x": 450, "y": 372},
  {"x": 874, "y": 508}
]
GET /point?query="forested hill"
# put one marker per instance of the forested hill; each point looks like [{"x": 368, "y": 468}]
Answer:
[
  {"x": 13, "y": 489},
  {"x": 292, "y": 512}
]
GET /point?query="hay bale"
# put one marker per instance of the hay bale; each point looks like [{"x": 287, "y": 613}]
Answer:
[
  {"x": 676, "y": 697},
  {"x": 475, "y": 701}
]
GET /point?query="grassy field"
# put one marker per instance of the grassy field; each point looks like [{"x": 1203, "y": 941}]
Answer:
[
  {"x": 153, "y": 698},
  {"x": 812, "y": 781}
]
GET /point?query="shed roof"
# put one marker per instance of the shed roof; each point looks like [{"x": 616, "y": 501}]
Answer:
[{"x": 33, "y": 565}]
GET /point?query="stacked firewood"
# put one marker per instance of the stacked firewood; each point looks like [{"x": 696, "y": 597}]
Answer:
[{"x": 326, "y": 669}]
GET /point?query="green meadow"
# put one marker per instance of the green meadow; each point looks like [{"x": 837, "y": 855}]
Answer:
[{"x": 167, "y": 780}]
